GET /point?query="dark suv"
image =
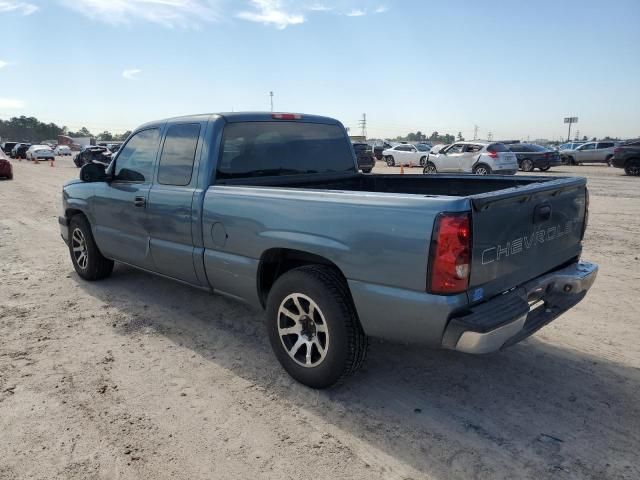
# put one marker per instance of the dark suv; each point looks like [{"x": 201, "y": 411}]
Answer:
[
  {"x": 91, "y": 154},
  {"x": 19, "y": 150},
  {"x": 627, "y": 156},
  {"x": 8, "y": 146},
  {"x": 364, "y": 153}
]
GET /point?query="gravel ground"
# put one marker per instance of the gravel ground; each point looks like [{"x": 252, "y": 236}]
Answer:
[{"x": 137, "y": 377}]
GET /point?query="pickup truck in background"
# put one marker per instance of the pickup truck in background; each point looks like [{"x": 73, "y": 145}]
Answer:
[
  {"x": 627, "y": 156},
  {"x": 271, "y": 209}
]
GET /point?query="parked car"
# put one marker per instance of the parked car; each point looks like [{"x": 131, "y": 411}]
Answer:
[
  {"x": 7, "y": 147},
  {"x": 569, "y": 146},
  {"x": 92, "y": 154},
  {"x": 364, "y": 154},
  {"x": 532, "y": 156},
  {"x": 6, "y": 169},
  {"x": 480, "y": 158},
  {"x": 271, "y": 209},
  {"x": 19, "y": 151},
  {"x": 627, "y": 156},
  {"x": 591, "y": 152},
  {"x": 62, "y": 150},
  {"x": 405, "y": 155},
  {"x": 39, "y": 152},
  {"x": 378, "y": 148}
]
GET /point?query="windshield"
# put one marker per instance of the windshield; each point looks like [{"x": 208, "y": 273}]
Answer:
[{"x": 259, "y": 149}]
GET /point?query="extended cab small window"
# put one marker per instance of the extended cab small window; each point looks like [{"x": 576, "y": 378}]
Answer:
[
  {"x": 178, "y": 154},
  {"x": 136, "y": 159}
]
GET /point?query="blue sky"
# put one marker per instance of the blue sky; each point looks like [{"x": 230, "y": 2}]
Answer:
[{"x": 514, "y": 68}]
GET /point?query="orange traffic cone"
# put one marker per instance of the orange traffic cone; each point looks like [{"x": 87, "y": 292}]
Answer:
[{"x": 401, "y": 170}]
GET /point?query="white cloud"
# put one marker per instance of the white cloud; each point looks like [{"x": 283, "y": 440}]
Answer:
[
  {"x": 356, "y": 13},
  {"x": 3, "y": 64},
  {"x": 381, "y": 9},
  {"x": 169, "y": 13},
  {"x": 131, "y": 73},
  {"x": 320, "y": 7},
  {"x": 11, "y": 103},
  {"x": 271, "y": 12},
  {"x": 18, "y": 7}
]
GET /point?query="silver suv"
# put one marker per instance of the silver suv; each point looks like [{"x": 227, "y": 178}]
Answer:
[
  {"x": 591, "y": 152},
  {"x": 477, "y": 157}
]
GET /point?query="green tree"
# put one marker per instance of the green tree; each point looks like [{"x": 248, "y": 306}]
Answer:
[
  {"x": 107, "y": 136},
  {"x": 460, "y": 137}
]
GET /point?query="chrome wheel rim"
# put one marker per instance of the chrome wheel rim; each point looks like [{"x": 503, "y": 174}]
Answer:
[
  {"x": 79, "y": 248},
  {"x": 430, "y": 169},
  {"x": 481, "y": 171},
  {"x": 527, "y": 166},
  {"x": 303, "y": 330}
]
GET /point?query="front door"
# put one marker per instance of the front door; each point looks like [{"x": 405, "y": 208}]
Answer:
[
  {"x": 120, "y": 206},
  {"x": 449, "y": 159},
  {"x": 469, "y": 157}
]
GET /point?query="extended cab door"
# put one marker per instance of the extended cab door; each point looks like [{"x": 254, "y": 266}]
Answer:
[
  {"x": 119, "y": 207},
  {"x": 171, "y": 216}
]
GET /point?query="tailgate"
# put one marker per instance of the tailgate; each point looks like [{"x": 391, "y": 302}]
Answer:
[{"x": 521, "y": 233}]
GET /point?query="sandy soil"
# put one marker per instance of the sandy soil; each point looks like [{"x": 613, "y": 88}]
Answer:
[{"x": 137, "y": 377}]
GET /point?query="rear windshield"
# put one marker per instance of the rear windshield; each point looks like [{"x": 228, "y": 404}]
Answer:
[
  {"x": 262, "y": 149},
  {"x": 497, "y": 147},
  {"x": 361, "y": 147},
  {"x": 526, "y": 147}
]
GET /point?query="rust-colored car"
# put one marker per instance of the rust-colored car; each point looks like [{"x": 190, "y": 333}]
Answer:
[{"x": 6, "y": 170}]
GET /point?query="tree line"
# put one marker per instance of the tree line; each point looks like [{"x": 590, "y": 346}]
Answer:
[
  {"x": 30, "y": 129},
  {"x": 435, "y": 137}
]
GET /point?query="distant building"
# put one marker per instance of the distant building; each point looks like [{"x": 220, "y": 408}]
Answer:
[{"x": 76, "y": 143}]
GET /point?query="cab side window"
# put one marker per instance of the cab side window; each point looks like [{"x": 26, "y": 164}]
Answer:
[
  {"x": 134, "y": 162},
  {"x": 455, "y": 148}
]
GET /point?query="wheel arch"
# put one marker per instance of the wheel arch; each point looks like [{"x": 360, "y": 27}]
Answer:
[{"x": 275, "y": 262}]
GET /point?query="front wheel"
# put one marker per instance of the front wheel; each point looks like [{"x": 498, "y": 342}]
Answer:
[
  {"x": 632, "y": 169},
  {"x": 87, "y": 259},
  {"x": 429, "y": 168},
  {"x": 482, "y": 169},
  {"x": 390, "y": 161},
  {"x": 313, "y": 326},
  {"x": 423, "y": 162},
  {"x": 366, "y": 170},
  {"x": 544, "y": 169}
]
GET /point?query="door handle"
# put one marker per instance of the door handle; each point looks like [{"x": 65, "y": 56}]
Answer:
[{"x": 140, "y": 202}]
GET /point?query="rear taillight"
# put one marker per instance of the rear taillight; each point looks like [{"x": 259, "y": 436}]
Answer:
[
  {"x": 586, "y": 212},
  {"x": 286, "y": 116},
  {"x": 492, "y": 154},
  {"x": 450, "y": 258}
]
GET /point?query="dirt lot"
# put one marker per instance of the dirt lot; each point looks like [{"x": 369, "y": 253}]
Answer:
[{"x": 139, "y": 377}]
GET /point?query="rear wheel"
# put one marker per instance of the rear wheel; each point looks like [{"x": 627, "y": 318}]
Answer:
[
  {"x": 429, "y": 168},
  {"x": 544, "y": 169},
  {"x": 482, "y": 169},
  {"x": 526, "y": 165},
  {"x": 390, "y": 161},
  {"x": 87, "y": 259},
  {"x": 366, "y": 170},
  {"x": 608, "y": 160},
  {"x": 313, "y": 327},
  {"x": 423, "y": 161}
]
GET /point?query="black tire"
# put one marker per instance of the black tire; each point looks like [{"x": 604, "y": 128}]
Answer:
[
  {"x": 544, "y": 169},
  {"x": 390, "y": 161},
  {"x": 571, "y": 161},
  {"x": 429, "y": 168},
  {"x": 482, "y": 169},
  {"x": 527, "y": 165},
  {"x": 608, "y": 160},
  {"x": 96, "y": 266},
  {"x": 632, "y": 168},
  {"x": 366, "y": 170},
  {"x": 423, "y": 162},
  {"x": 345, "y": 341}
]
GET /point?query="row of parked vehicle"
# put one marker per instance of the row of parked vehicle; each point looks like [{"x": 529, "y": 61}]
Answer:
[{"x": 87, "y": 154}]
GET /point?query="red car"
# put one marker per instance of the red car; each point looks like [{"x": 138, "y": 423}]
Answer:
[{"x": 6, "y": 170}]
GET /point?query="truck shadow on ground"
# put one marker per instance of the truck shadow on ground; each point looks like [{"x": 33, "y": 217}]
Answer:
[{"x": 534, "y": 409}]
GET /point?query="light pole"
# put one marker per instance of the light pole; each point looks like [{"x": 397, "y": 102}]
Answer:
[{"x": 271, "y": 96}]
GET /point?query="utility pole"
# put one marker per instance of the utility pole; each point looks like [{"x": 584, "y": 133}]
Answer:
[
  {"x": 363, "y": 125},
  {"x": 570, "y": 121},
  {"x": 490, "y": 136},
  {"x": 271, "y": 97},
  {"x": 577, "y": 134},
  {"x": 475, "y": 132}
]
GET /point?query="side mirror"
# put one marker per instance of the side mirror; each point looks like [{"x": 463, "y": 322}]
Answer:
[{"x": 93, "y": 172}]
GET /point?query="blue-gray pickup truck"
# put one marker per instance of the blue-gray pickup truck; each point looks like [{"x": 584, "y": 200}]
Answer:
[{"x": 270, "y": 208}]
